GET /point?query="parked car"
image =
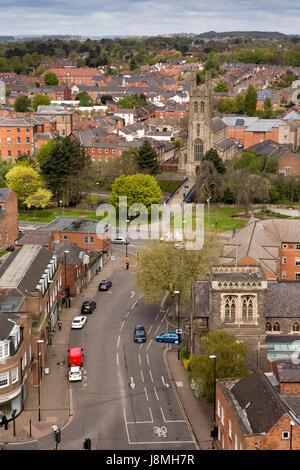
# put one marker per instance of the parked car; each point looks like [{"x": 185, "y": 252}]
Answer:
[
  {"x": 78, "y": 322},
  {"x": 240, "y": 145},
  {"x": 169, "y": 337},
  {"x": 75, "y": 373},
  {"x": 105, "y": 285},
  {"x": 88, "y": 306},
  {"x": 139, "y": 335},
  {"x": 10, "y": 248},
  {"x": 120, "y": 241},
  {"x": 236, "y": 142}
]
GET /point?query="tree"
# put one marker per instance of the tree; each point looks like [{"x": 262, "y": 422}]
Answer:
[
  {"x": 249, "y": 188},
  {"x": 129, "y": 101},
  {"x": 84, "y": 99},
  {"x": 250, "y": 101},
  {"x": 24, "y": 181},
  {"x": 147, "y": 159},
  {"x": 105, "y": 98},
  {"x": 22, "y": 104},
  {"x": 213, "y": 156},
  {"x": 209, "y": 183},
  {"x": 230, "y": 362},
  {"x": 51, "y": 79},
  {"x": 40, "y": 100},
  {"x": 139, "y": 189},
  {"x": 165, "y": 267},
  {"x": 45, "y": 151},
  {"x": 39, "y": 200},
  {"x": 5, "y": 166},
  {"x": 221, "y": 87},
  {"x": 126, "y": 165},
  {"x": 67, "y": 160}
]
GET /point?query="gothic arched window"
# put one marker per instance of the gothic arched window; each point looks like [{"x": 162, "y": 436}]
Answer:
[
  {"x": 276, "y": 326},
  {"x": 268, "y": 326},
  {"x": 202, "y": 107},
  {"x": 230, "y": 309},
  {"x": 296, "y": 327},
  {"x": 198, "y": 150},
  {"x": 247, "y": 309},
  {"x": 198, "y": 130},
  {"x": 195, "y": 107}
]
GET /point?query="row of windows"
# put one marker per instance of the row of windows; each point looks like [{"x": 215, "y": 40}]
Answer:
[
  {"x": 297, "y": 276},
  {"x": 276, "y": 327},
  {"x": 291, "y": 245},
  {"x": 8, "y": 140},
  {"x": 9, "y": 153},
  {"x": 297, "y": 261},
  {"x": 106, "y": 151},
  {"x": 18, "y": 130}
]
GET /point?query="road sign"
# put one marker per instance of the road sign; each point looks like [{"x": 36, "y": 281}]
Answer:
[
  {"x": 112, "y": 258},
  {"x": 126, "y": 258}
]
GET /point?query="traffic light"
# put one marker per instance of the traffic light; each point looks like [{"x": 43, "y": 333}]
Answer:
[{"x": 87, "y": 445}]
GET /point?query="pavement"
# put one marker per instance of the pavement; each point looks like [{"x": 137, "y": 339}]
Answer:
[{"x": 55, "y": 396}]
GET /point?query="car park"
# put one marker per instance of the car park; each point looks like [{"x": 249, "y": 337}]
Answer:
[
  {"x": 139, "y": 334},
  {"x": 169, "y": 337},
  {"x": 78, "y": 322},
  {"x": 105, "y": 285},
  {"x": 88, "y": 306},
  {"x": 120, "y": 241}
]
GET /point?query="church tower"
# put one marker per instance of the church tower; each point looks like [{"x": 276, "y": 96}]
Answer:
[{"x": 200, "y": 136}]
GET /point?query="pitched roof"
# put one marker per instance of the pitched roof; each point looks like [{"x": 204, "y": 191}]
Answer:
[
  {"x": 74, "y": 224},
  {"x": 283, "y": 299}
]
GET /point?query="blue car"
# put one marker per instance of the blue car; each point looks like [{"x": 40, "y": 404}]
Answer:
[{"x": 169, "y": 337}]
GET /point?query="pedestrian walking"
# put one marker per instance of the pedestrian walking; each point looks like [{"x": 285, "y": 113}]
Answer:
[
  {"x": 4, "y": 422},
  {"x": 69, "y": 302},
  {"x": 59, "y": 323}
]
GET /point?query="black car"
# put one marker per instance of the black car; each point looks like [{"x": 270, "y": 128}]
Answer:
[
  {"x": 105, "y": 285},
  {"x": 139, "y": 335},
  {"x": 88, "y": 306}
]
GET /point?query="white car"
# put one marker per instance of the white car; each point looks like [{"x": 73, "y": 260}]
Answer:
[
  {"x": 120, "y": 241},
  {"x": 75, "y": 373},
  {"x": 79, "y": 322}
]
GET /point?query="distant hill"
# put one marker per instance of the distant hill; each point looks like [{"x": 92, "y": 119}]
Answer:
[{"x": 243, "y": 34}]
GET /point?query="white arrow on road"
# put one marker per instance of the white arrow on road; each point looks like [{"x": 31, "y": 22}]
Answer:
[
  {"x": 163, "y": 381},
  {"x": 132, "y": 384},
  {"x": 132, "y": 294}
]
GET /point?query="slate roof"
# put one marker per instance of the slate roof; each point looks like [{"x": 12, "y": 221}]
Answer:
[
  {"x": 271, "y": 148},
  {"x": 34, "y": 237},
  {"x": 202, "y": 298},
  {"x": 287, "y": 371},
  {"x": 74, "y": 224},
  {"x": 225, "y": 144},
  {"x": 257, "y": 405},
  {"x": 283, "y": 299},
  {"x": 265, "y": 125},
  {"x": 74, "y": 257},
  {"x": 217, "y": 124}
]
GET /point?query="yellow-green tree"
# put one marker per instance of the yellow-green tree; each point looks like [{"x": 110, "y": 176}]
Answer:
[
  {"x": 24, "y": 181},
  {"x": 39, "y": 200}
]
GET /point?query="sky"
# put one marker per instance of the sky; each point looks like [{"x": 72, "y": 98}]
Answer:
[{"x": 146, "y": 17}]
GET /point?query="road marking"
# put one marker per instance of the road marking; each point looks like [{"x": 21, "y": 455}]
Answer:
[
  {"x": 140, "y": 359},
  {"x": 132, "y": 294},
  {"x": 151, "y": 375},
  {"x": 156, "y": 317},
  {"x": 117, "y": 359},
  {"x": 163, "y": 381},
  {"x": 150, "y": 329},
  {"x": 146, "y": 394},
  {"x": 147, "y": 357},
  {"x": 132, "y": 384},
  {"x": 171, "y": 420},
  {"x": 122, "y": 326},
  {"x": 149, "y": 345},
  {"x": 142, "y": 376},
  {"x": 118, "y": 343},
  {"x": 157, "y": 330},
  {"x": 156, "y": 393},
  {"x": 160, "y": 431},
  {"x": 135, "y": 303}
]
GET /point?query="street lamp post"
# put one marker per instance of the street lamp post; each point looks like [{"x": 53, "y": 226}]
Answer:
[
  {"x": 177, "y": 292},
  {"x": 97, "y": 192},
  {"x": 208, "y": 207},
  {"x": 291, "y": 434},
  {"x": 214, "y": 431},
  {"x": 126, "y": 249},
  {"x": 39, "y": 341},
  {"x": 60, "y": 204}
]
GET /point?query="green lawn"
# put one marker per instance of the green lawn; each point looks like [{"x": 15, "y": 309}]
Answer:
[{"x": 219, "y": 223}]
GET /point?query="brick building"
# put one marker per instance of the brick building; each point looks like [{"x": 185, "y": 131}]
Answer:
[
  {"x": 30, "y": 283},
  {"x": 69, "y": 76},
  {"x": 66, "y": 120},
  {"x": 252, "y": 414},
  {"x": 8, "y": 218}
]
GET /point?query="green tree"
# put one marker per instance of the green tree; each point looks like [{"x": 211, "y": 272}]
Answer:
[
  {"x": 139, "y": 189},
  {"x": 250, "y": 101},
  {"x": 221, "y": 87},
  {"x": 24, "y": 181},
  {"x": 147, "y": 159},
  {"x": 22, "y": 104},
  {"x": 84, "y": 99},
  {"x": 213, "y": 156},
  {"x": 5, "y": 166},
  {"x": 230, "y": 362},
  {"x": 39, "y": 200},
  {"x": 105, "y": 98},
  {"x": 40, "y": 100},
  {"x": 51, "y": 79},
  {"x": 126, "y": 165},
  {"x": 44, "y": 151},
  {"x": 129, "y": 101},
  {"x": 66, "y": 162}
]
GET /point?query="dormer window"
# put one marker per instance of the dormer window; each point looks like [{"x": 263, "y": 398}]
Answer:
[{"x": 4, "y": 349}]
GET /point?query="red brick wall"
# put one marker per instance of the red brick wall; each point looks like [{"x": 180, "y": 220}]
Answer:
[
  {"x": 9, "y": 223},
  {"x": 289, "y": 254},
  {"x": 290, "y": 160},
  {"x": 79, "y": 240}
]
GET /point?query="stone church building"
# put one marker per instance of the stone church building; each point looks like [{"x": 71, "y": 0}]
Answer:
[
  {"x": 204, "y": 131},
  {"x": 240, "y": 300}
]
